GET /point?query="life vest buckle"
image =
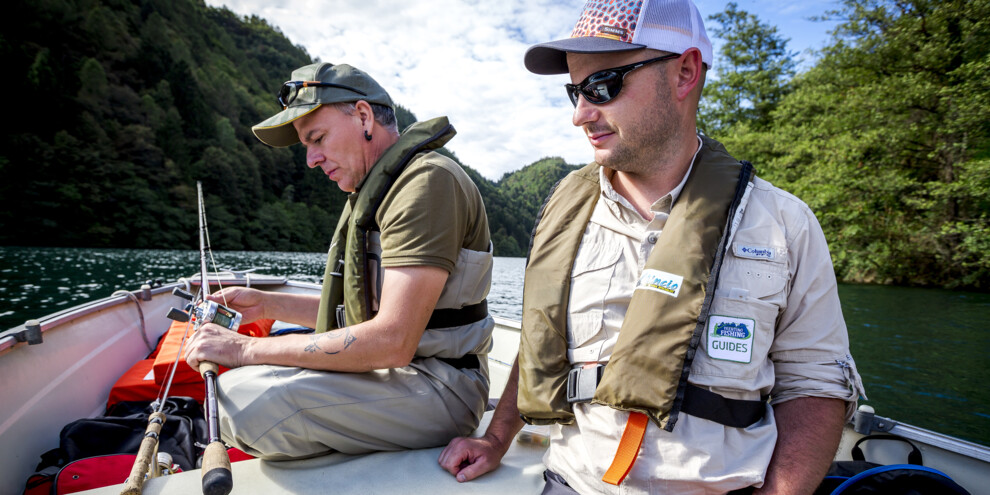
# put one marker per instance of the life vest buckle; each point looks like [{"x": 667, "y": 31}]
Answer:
[{"x": 582, "y": 382}]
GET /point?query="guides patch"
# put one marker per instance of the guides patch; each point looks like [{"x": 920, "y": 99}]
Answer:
[
  {"x": 662, "y": 282},
  {"x": 730, "y": 338}
]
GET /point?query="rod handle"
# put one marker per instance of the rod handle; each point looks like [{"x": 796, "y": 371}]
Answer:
[
  {"x": 146, "y": 453},
  {"x": 206, "y": 367},
  {"x": 217, "y": 479}
]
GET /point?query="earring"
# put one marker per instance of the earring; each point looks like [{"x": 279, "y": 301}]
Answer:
[{"x": 367, "y": 136}]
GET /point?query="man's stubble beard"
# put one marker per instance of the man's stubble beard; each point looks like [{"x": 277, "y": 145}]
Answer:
[{"x": 645, "y": 144}]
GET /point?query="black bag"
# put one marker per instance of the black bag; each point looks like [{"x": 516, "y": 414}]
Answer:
[
  {"x": 859, "y": 476},
  {"x": 120, "y": 431}
]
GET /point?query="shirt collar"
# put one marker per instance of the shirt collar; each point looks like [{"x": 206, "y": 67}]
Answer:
[{"x": 662, "y": 205}]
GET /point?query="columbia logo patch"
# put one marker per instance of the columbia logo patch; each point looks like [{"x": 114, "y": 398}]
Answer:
[
  {"x": 662, "y": 282},
  {"x": 755, "y": 252}
]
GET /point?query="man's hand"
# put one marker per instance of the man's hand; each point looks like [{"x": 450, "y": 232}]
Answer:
[
  {"x": 250, "y": 303},
  {"x": 218, "y": 345},
  {"x": 468, "y": 458}
]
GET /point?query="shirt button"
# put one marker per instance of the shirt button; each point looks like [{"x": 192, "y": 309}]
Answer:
[{"x": 652, "y": 239}]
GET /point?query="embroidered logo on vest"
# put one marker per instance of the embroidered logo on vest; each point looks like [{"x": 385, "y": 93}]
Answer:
[{"x": 662, "y": 282}]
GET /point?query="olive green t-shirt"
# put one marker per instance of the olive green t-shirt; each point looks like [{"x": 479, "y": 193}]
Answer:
[{"x": 431, "y": 212}]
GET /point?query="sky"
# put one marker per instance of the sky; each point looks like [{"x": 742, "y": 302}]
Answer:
[{"x": 463, "y": 59}]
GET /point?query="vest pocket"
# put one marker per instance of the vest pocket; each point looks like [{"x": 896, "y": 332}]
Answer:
[
  {"x": 591, "y": 279},
  {"x": 583, "y": 327},
  {"x": 740, "y": 326},
  {"x": 735, "y": 341},
  {"x": 594, "y": 256}
]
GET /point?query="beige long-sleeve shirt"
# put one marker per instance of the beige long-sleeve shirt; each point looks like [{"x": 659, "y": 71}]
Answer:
[{"x": 777, "y": 276}]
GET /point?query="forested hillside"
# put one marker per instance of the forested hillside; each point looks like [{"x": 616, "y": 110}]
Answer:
[
  {"x": 122, "y": 106},
  {"x": 117, "y": 108}
]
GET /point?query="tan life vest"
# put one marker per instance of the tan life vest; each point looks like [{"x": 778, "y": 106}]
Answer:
[
  {"x": 346, "y": 285},
  {"x": 649, "y": 367}
]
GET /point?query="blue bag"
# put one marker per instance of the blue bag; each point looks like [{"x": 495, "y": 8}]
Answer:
[{"x": 859, "y": 476}]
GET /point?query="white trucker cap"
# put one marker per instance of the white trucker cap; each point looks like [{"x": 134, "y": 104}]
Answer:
[{"x": 621, "y": 25}]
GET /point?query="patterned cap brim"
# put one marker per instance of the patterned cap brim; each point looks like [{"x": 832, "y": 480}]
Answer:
[{"x": 551, "y": 57}]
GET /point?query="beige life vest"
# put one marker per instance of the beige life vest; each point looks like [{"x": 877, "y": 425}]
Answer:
[
  {"x": 649, "y": 367},
  {"x": 345, "y": 281}
]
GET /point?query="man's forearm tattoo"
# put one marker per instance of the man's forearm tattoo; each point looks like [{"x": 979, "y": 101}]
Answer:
[{"x": 342, "y": 337}]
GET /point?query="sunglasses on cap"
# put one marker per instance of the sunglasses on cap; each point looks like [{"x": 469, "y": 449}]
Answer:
[
  {"x": 604, "y": 85},
  {"x": 290, "y": 89}
]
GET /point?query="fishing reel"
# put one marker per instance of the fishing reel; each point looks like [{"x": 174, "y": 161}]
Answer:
[{"x": 205, "y": 312}]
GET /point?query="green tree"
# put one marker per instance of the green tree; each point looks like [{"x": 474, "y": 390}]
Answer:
[
  {"x": 752, "y": 72},
  {"x": 888, "y": 137}
]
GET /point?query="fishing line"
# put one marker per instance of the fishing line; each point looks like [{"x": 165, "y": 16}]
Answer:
[
  {"x": 174, "y": 365},
  {"x": 209, "y": 249}
]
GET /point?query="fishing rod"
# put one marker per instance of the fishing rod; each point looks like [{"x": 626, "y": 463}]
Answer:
[{"x": 217, "y": 478}]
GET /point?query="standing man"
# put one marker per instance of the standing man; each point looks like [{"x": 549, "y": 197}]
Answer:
[
  {"x": 681, "y": 326},
  {"x": 399, "y": 360}
]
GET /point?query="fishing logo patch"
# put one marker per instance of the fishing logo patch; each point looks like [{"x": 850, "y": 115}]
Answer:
[
  {"x": 662, "y": 282},
  {"x": 730, "y": 338}
]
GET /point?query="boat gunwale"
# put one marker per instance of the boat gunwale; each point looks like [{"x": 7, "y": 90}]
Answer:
[{"x": 54, "y": 320}]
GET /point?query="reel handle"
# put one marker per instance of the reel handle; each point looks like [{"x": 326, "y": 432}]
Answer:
[
  {"x": 176, "y": 314},
  {"x": 181, "y": 293}
]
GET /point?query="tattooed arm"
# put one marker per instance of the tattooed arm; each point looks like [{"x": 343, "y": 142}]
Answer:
[{"x": 388, "y": 340}]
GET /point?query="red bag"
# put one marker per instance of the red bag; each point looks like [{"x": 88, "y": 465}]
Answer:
[{"x": 93, "y": 472}]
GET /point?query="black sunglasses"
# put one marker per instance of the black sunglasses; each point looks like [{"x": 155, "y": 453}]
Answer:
[
  {"x": 290, "y": 89},
  {"x": 604, "y": 85}
]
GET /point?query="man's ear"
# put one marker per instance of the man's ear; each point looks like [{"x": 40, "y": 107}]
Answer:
[
  {"x": 689, "y": 72},
  {"x": 366, "y": 114}
]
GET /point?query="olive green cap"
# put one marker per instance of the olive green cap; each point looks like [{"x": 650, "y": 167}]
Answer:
[{"x": 277, "y": 131}]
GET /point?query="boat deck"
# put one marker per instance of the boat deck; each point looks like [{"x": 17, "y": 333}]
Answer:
[{"x": 411, "y": 471}]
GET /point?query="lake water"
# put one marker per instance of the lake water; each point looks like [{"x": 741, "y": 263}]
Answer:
[{"x": 924, "y": 354}]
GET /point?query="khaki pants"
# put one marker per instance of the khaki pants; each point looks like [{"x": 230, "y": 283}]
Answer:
[{"x": 277, "y": 412}]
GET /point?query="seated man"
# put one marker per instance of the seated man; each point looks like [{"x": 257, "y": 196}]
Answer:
[
  {"x": 669, "y": 293},
  {"x": 398, "y": 360}
]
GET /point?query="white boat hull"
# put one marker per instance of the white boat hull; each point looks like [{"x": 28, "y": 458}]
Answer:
[{"x": 87, "y": 348}]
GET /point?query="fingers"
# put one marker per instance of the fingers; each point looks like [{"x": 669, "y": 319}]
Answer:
[
  {"x": 467, "y": 458},
  {"x": 480, "y": 466},
  {"x": 453, "y": 455},
  {"x": 191, "y": 354},
  {"x": 198, "y": 342},
  {"x": 227, "y": 293}
]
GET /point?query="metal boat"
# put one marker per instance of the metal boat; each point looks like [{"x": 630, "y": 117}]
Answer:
[{"x": 61, "y": 368}]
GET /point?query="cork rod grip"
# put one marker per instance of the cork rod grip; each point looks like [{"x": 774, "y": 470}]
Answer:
[
  {"x": 217, "y": 479},
  {"x": 206, "y": 367},
  {"x": 145, "y": 455}
]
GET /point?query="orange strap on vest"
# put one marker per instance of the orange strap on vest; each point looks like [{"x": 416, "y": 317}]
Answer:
[{"x": 625, "y": 455}]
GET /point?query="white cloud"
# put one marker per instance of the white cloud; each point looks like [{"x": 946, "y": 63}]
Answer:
[
  {"x": 463, "y": 59},
  {"x": 459, "y": 58}
]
